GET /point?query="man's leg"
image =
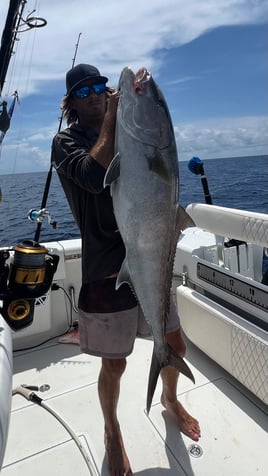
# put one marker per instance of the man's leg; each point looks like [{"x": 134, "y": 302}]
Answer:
[
  {"x": 109, "y": 388},
  {"x": 187, "y": 424}
]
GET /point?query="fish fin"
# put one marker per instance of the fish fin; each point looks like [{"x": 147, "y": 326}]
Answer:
[
  {"x": 176, "y": 361},
  {"x": 113, "y": 171},
  {"x": 183, "y": 219},
  {"x": 152, "y": 381},
  {"x": 123, "y": 276},
  {"x": 157, "y": 165}
]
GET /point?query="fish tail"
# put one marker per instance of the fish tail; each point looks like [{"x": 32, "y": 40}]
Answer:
[
  {"x": 175, "y": 361},
  {"x": 153, "y": 377}
]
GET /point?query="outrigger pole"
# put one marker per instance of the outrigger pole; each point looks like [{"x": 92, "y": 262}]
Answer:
[
  {"x": 14, "y": 14},
  {"x": 14, "y": 24}
]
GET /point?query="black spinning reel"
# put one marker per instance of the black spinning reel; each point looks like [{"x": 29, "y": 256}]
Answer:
[{"x": 26, "y": 273}]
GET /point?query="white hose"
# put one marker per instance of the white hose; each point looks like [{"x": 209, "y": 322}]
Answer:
[{"x": 33, "y": 397}]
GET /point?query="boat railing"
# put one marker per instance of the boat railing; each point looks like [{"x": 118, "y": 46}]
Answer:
[{"x": 241, "y": 236}]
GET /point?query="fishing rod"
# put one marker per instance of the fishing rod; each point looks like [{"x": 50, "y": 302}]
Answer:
[
  {"x": 73, "y": 63},
  {"x": 27, "y": 269},
  {"x": 39, "y": 215},
  {"x": 196, "y": 166}
]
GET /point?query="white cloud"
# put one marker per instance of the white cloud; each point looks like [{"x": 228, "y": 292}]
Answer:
[
  {"x": 120, "y": 32},
  {"x": 116, "y": 33},
  {"x": 229, "y": 137}
]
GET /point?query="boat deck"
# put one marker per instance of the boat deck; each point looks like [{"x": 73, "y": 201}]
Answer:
[{"x": 234, "y": 425}]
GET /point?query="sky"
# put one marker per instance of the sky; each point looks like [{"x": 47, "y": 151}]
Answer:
[{"x": 208, "y": 57}]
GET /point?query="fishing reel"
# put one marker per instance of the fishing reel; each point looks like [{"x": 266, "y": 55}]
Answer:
[{"x": 26, "y": 273}]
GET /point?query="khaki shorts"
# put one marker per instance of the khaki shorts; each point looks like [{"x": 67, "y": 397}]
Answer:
[{"x": 112, "y": 335}]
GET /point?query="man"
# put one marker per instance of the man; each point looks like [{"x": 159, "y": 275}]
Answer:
[{"x": 109, "y": 320}]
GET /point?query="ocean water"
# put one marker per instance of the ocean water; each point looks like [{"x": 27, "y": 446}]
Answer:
[{"x": 233, "y": 182}]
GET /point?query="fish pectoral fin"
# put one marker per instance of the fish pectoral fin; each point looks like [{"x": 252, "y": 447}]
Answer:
[
  {"x": 152, "y": 381},
  {"x": 157, "y": 165},
  {"x": 176, "y": 361},
  {"x": 113, "y": 171},
  {"x": 183, "y": 219},
  {"x": 123, "y": 276}
]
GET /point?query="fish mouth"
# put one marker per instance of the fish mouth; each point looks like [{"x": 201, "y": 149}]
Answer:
[
  {"x": 145, "y": 86},
  {"x": 138, "y": 82},
  {"x": 143, "y": 75},
  {"x": 141, "y": 79}
]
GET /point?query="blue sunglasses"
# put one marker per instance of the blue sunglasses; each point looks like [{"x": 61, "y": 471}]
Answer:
[{"x": 84, "y": 92}]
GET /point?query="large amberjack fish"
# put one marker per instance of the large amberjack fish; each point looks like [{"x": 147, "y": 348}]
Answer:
[{"x": 144, "y": 182}]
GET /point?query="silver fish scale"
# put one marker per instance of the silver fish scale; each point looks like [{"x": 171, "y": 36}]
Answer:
[{"x": 145, "y": 198}]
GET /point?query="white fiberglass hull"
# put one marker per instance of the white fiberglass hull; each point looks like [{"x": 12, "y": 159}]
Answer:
[{"x": 229, "y": 399}]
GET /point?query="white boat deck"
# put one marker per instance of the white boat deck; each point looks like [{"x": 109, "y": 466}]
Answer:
[{"x": 234, "y": 438}]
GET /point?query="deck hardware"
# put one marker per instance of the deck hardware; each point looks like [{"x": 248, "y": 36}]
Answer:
[
  {"x": 72, "y": 297},
  {"x": 44, "y": 387},
  {"x": 195, "y": 450},
  {"x": 183, "y": 276}
]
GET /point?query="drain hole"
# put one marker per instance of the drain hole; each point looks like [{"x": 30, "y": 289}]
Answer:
[{"x": 195, "y": 450}]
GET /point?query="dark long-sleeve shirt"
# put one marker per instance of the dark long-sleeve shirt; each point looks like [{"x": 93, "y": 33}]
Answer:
[{"x": 82, "y": 180}]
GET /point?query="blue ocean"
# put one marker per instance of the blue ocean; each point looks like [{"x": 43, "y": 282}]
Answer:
[{"x": 240, "y": 182}]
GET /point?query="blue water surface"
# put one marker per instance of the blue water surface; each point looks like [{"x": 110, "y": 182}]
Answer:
[{"x": 240, "y": 182}]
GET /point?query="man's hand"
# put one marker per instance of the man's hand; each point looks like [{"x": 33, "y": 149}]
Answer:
[
  {"x": 112, "y": 103},
  {"x": 103, "y": 150}
]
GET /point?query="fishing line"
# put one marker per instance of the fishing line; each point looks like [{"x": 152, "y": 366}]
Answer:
[
  {"x": 31, "y": 50},
  {"x": 8, "y": 215},
  {"x": 24, "y": 63},
  {"x": 7, "y": 196}
]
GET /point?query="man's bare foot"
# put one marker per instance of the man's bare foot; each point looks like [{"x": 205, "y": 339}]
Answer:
[
  {"x": 117, "y": 459},
  {"x": 187, "y": 424}
]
